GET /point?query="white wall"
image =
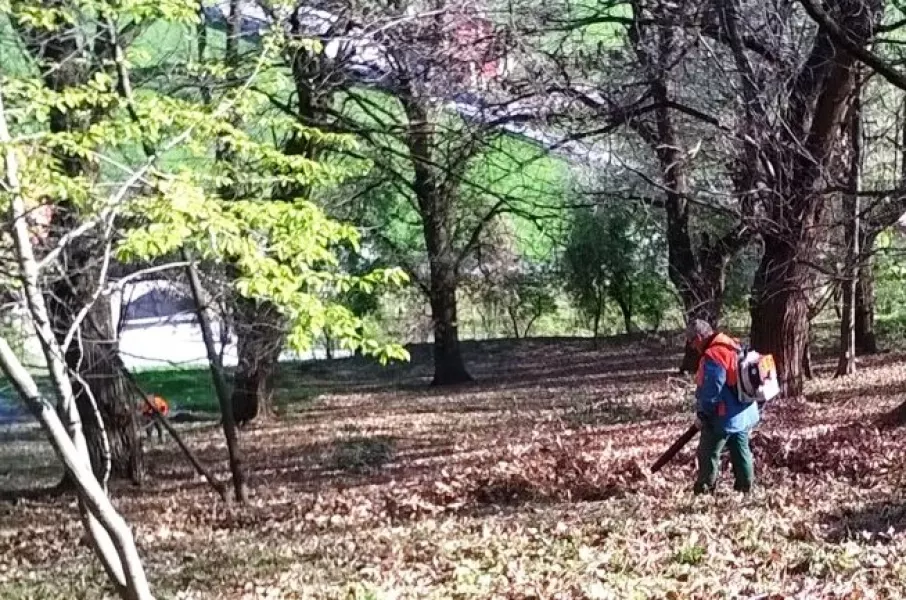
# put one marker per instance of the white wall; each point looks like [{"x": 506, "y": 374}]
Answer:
[
  {"x": 168, "y": 343},
  {"x": 165, "y": 341}
]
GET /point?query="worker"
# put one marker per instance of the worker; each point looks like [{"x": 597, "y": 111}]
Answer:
[
  {"x": 724, "y": 418},
  {"x": 149, "y": 416}
]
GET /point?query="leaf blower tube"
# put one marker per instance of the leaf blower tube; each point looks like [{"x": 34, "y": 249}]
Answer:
[{"x": 674, "y": 449}]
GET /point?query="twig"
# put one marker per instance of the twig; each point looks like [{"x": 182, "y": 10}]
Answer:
[{"x": 218, "y": 486}]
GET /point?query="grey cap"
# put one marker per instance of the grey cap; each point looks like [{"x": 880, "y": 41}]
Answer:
[{"x": 698, "y": 328}]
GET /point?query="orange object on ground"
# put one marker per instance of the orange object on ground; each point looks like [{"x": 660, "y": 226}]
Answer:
[{"x": 159, "y": 403}]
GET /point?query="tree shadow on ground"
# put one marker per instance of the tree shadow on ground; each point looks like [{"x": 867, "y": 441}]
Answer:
[
  {"x": 523, "y": 387},
  {"x": 368, "y": 460},
  {"x": 362, "y": 454},
  {"x": 564, "y": 384},
  {"x": 44, "y": 494},
  {"x": 878, "y": 522},
  {"x": 855, "y": 392},
  {"x": 496, "y": 362}
]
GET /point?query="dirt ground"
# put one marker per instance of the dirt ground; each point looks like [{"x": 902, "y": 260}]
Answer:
[{"x": 530, "y": 483}]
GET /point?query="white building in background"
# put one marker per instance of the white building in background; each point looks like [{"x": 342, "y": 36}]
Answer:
[{"x": 159, "y": 329}]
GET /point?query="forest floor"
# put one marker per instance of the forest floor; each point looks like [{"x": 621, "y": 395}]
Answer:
[{"x": 530, "y": 483}]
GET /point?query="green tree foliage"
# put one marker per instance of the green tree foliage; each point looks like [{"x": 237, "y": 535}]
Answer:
[
  {"x": 616, "y": 255},
  {"x": 286, "y": 252},
  {"x": 129, "y": 175},
  {"x": 528, "y": 294},
  {"x": 507, "y": 285},
  {"x": 890, "y": 277},
  {"x": 146, "y": 185}
]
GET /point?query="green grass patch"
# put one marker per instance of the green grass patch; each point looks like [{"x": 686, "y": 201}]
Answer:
[
  {"x": 184, "y": 388},
  {"x": 188, "y": 389},
  {"x": 191, "y": 389}
]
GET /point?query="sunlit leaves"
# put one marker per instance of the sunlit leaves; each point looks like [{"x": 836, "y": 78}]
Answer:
[
  {"x": 284, "y": 251},
  {"x": 41, "y": 16},
  {"x": 30, "y": 101},
  {"x": 246, "y": 213},
  {"x": 140, "y": 11},
  {"x": 485, "y": 495}
]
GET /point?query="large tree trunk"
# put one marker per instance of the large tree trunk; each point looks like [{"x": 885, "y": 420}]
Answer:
[
  {"x": 449, "y": 367},
  {"x": 804, "y": 155},
  {"x": 780, "y": 313},
  {"x": 434, "y": 201},
  {"x": 698, "y": 279},
  {"x": 97, "y": 381},
  {"x": 807, "y": 356},
  {"x": 258, "y": 326},
  {"x": 99, "y": 358},
  {"x": 260, "y": 335},
  {"x": 93, "y": 354},
  {"x": 698, "y": 274},
  {"x": 866, "y": 341}
]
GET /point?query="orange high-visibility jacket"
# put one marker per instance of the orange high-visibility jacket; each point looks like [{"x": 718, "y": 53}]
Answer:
[
  {"x": 159, "y": 403},
  {"x": 723, "y": 350},
  {"x": 716, "y": 393}
]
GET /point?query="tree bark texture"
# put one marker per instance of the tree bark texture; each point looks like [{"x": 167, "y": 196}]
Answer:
[
  {"x": 852, "y": 234},
  {"x": 866, "y": 340},
  {"x": 434, "y": 201},
  {"x": 807, "y": 358},
  {"x": 449, "y": 367},
  {"x": 800, "y": 157},
  {"x": 260, "y": 331},
  {"x": 780, "y": 314},
  {"x": 93, "y": 356},
  {"x": 101, "y": 370}
]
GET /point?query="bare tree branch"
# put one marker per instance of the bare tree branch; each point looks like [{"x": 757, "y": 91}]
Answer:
[{"x": 841, "y": 37}]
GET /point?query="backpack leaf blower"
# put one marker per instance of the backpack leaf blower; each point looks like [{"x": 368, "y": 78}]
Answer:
[{"x": 758, "y": 382}]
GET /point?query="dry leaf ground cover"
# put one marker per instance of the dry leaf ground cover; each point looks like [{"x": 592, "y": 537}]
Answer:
[{"x": 530, "y": 483}]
